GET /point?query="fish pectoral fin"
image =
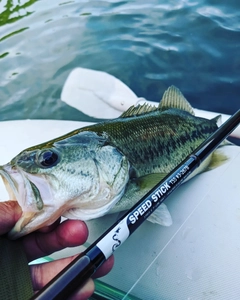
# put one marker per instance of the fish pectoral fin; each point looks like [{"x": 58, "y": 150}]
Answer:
[
  {"x": 226, "y": 143},
  {"x": 217, "y": 159},
  {"x": 150, "y": 180},
  {"x": 161, "y": 216},
  {"x": 21, "y": 223}
]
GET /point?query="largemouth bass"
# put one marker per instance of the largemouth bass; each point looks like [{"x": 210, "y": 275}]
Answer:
[{"x": 106, "y": 167}]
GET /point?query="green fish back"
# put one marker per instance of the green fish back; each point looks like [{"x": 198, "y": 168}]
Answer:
[{"x": 155, "y": 142}]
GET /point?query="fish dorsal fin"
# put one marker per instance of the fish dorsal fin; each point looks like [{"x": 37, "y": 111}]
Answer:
[
  {"x": 138, "y": 110},
  {"x": 218, "y": 120},
  {"x": 173, "y": 98}
]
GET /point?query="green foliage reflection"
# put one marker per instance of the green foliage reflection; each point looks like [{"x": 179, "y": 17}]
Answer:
[{"x": 6, "y": 17}]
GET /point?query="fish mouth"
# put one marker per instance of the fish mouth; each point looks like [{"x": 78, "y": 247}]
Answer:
[
  {"x": 21, "y": 188},
  {"x": 25, "y": 189},
  {"x": 10, "y": 184}
]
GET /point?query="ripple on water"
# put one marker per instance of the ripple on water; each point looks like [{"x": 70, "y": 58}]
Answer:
[{"x": 148, "y": 45}]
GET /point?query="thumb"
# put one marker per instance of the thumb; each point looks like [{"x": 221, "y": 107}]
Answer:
[{"x": 10, "y": 212}]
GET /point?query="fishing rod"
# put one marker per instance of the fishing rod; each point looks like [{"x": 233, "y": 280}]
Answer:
[{"x": 86, "y": 264}]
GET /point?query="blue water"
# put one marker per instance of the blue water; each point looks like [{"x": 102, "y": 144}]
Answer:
[{"x": 149, "y": 45}]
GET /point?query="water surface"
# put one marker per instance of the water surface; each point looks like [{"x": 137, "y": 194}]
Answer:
[{"x": 149, "y": 45}]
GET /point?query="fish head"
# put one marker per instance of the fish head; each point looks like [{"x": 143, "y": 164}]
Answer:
[{"x": 78, "y": 176}]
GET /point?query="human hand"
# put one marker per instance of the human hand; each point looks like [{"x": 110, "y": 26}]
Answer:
[{"x": 37, "y": 244}]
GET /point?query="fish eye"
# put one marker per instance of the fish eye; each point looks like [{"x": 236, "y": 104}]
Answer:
[{"x": 48, "y": 158}]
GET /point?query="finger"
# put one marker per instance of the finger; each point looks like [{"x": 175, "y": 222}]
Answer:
[
  {"x": 10, "y": 212},
  {"x": 43, "y": 273},
  {"x": 69, "y": 233},
  {"x": 84, "y": 292},
  {"x": 105, "y": 268},
  {"x": 50, "y": 227}
]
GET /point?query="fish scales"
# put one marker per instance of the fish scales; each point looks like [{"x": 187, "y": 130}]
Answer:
[{"x": 146, "y": 138}]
